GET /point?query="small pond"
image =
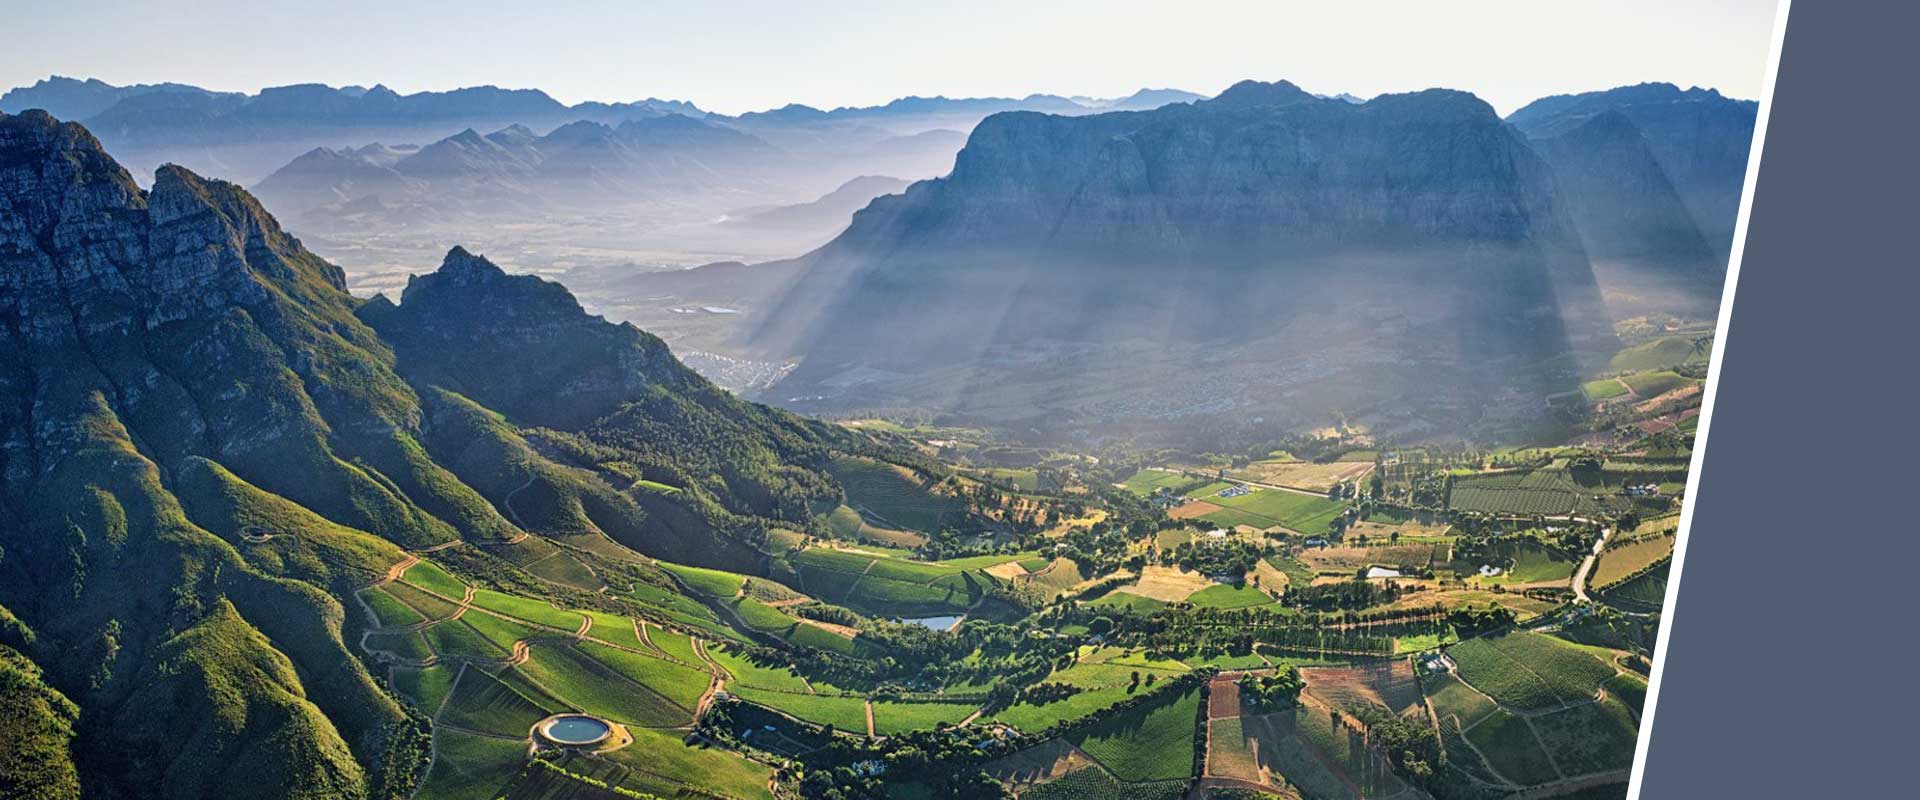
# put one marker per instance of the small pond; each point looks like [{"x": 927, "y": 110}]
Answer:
[
  {"x": 936, "y": 623},
  {"x": 576, "y": 730}
]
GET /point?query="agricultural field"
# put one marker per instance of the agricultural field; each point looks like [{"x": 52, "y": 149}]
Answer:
[
  {"x": 1147, "y": 481},
  {"x": 1151, "y": 743},
  {"x": 1661, "y": 353},
  {"x": 1345, "y": 560},
  {"x": 1528, "y": 563},
  {"x": 892, "y": 586},
  {"x": 1308, "y": 475},
  {"x": 1656, "y": 383},
  {"x": 1604, "y": 389},
  {"x": 891, "y": 496},
  {"x": 1389, "y": 685},
  {"x": 1550, "y": 491},
  {"x": 1224, "y": 595},
  {"x": 1263, "y": 508},
  {"x": 1093, "y": 781},
  {"x": 1302, "y": 750},
  {"x": 661, "y": 640},
  {"x": 1530, "y": 671},
  {"x": 1618, "y": 563},
  {"x": 1105, "y": 676},
  {"x": 1647, "y": 591}
]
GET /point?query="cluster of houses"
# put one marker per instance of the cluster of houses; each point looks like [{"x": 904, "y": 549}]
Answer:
[
  {"x": 1236, "y": 490},
  {"x": 1641, "y": 490}
]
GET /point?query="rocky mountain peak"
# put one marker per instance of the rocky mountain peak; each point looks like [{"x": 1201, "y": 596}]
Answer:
[
  {"x": 1252, "y": 94},
  {"x": 459, "y": 265}
]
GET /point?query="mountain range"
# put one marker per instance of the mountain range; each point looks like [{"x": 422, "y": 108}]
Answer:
[
  {"x": 206, "y": 443},
  {"x": 244, "y": 137},
  {"x": 511, "y": 170},
  {"x": 1246, "y": 232}
]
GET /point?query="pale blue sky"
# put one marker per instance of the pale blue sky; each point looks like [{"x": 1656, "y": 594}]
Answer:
[{"x": 734, "y": 57}]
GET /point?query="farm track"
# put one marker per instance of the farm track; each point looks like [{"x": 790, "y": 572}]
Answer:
[
  {"x": 508, "y": 503},
  {"x": 1586, "y": 566}
]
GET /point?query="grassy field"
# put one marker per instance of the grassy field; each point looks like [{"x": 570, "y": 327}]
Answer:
[
  {"x": 1091, "y": 782},
  {"x": 681, "y": 685},
  {"x": 1511, "y": 748},
  {"x": 1123, "y": 600},
  {"x": 426, "y": 687},
  {"x": 1106, "y": 678},
  {"x": 1617, "y": 563},
  {"x": 501, "y": 633},
  {"x": 405, "y": 644},
  {"x": 482, "y": 703},
  {"x": 747, "y": 672},
  {"x": 842, "y": 712},
  {"x": 1530, "y": 670},
  {"x": 1532, "y": 563},
  {"x": 1451, "y": 698},
  {"x": 430, "y": 606},
  {"x": 539, "y": 612},
  {"x": 1656, "y": 383},
  {"x": 1589, "y": 738},
  {"x": 1145, "y": 481},
  {"x": 711, "y": 582},
  {"x": 889, "y": 717},
  {"x": 468, "y": 766},
  {"x": 1308, "y": 475},
  {"x": 1265, "y": 508},
  {"x": 388, "y": 611},
  {"x": 890, "y": 586},
  {"x": 660, "y": 763},
  {"x": 1661, "y": 353},
  {"x": 589, "y": 686},
  {"x": 891, "y": 496},
  {"x": 458, "y": 638},
  {"x": 1223, "y": 595},
  {"x": 1552, "y": 491},
  {"x": 428, "y": 575},
  {"x": 1603, "y": 389},
  {"x": 1150, "y": 743}
]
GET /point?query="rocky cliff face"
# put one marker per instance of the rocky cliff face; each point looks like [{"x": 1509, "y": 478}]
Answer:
[
  {"x": 176, "y": 370},
  {"x": 1222, "y": 220},
  {"x": 1645, "y": 244},
  {"x": 1699, "y": 137}
]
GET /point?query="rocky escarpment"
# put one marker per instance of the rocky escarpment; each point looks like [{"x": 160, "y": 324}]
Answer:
[
  {"x": 1644, "y": 242},
  {"x": 1699, "y": 138},
  {"x": 1221, "y": 220}
]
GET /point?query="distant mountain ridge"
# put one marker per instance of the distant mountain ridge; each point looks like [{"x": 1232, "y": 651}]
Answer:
[
  {"x": 579, "y": 164},
  {"x": 1261, "y": 203},
  {"x": 245, "y": 137}
]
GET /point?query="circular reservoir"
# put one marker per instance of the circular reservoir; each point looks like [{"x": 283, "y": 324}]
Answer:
[{"x": 575, "y": 730}]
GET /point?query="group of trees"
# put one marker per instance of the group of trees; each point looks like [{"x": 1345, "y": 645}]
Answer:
[{"x": 1266, "y": 693}]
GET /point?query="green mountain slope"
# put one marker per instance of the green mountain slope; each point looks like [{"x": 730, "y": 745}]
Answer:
[{"x": 206, "y": 444}]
